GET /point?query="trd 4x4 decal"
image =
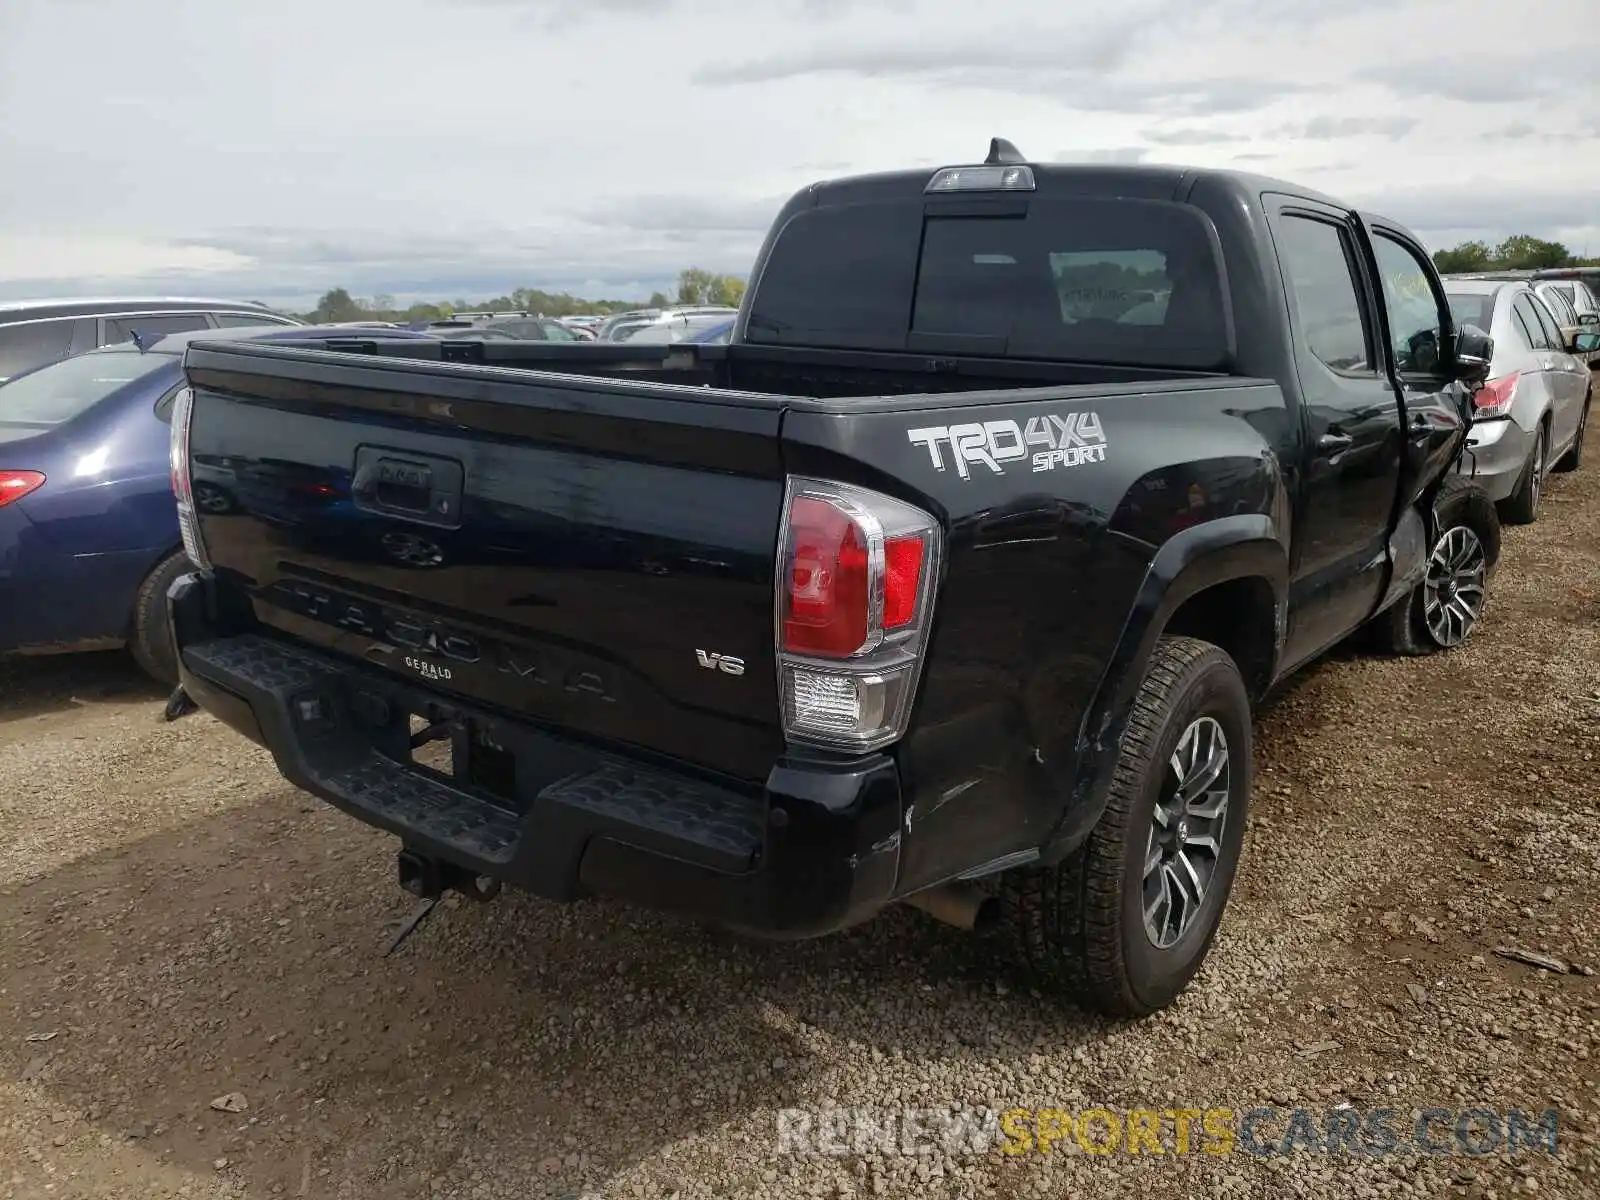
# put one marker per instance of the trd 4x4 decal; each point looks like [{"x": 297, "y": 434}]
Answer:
[{"x": 1053, "y": 441}]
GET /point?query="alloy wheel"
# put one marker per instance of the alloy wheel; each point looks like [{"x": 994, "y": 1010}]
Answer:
[
  {"x": 1184, "y": 846},
  {"x": 1453, "y": 589}
]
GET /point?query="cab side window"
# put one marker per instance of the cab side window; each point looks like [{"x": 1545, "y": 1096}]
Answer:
[
  {"x": 1319, "y": 266},
  {"x": 1416, "y": 323}
]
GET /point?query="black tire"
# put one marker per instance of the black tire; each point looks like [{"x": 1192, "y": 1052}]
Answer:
[
  {"x": 1522, "y": 506},
  {"x": 1079, "y": 925},
  {"x": 1573, "y": 458},
  {"x": 149, "y": 639},
  {"x": 1403, "y": 628}
]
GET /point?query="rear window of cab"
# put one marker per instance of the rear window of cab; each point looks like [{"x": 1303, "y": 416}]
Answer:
[{"x": 1136, "y": 282}]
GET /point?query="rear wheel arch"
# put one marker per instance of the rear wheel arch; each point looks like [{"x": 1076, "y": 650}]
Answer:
[
  {"x": 1192, "y": 580},
  {"x": 1573, "y": 458},
  {"x": 1523, "y": 505},
  {"x": 1225, "y": 582},
  {"x": 1239, "y": 617}
]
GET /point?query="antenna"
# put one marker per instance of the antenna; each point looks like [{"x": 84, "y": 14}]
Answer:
[{"x": 1002, "y": 151}]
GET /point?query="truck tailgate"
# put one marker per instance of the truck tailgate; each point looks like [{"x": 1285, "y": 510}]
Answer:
[{"x": 593, "y": 555}]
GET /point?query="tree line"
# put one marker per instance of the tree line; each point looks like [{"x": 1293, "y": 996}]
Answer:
[
  {"x": 695, "y": 286},
  {"x": 1519, "y": 252}
]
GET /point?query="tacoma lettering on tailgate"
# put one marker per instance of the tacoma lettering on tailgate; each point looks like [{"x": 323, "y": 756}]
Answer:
[{"x": 391, "y": 630}]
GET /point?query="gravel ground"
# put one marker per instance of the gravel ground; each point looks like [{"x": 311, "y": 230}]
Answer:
[{"x": 177, "y": 925}]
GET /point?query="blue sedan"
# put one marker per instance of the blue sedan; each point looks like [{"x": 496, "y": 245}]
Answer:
[{"x": 88, "y": 526}]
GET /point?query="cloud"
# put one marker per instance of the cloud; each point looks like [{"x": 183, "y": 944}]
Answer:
[
  {"x": 1076, "y": 77},
  {"x": 1107, "y": 154},
  {"x": 489, "y": 144},
  {"x": 687, "y": 213},
  {"x": 1329, "y": 127},
  {"x": 1547, "y": 73},
  {"x": 834, "y": 9},
  {"x": 564, "y": 14},
  {"x": 1482, "y": 206},
  {"x": 999, "y": 61},
  {"x": 1191, "y": 137},
  {"x": 1526, "y": 131}
]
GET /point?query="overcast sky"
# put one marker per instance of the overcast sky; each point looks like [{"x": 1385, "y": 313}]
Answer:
[{"x": 445, "y": 148}]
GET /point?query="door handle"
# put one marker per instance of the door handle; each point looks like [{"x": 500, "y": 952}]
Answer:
[{"x": 1334, "y": 443}]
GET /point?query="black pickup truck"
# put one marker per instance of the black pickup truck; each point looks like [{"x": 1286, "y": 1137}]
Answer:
[{"x": 952, "y": 580}]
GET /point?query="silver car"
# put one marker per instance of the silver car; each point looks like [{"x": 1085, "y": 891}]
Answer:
[
  {"x": 624, "y": 326},
  {"x": 1532, "y": 411},
  {"x": 678, "y": 327},
  {"x": 1558, "y": 298}
]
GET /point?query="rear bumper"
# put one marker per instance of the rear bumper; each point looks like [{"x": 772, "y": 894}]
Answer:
[
  {"x": 1497, "y": 454},
  {"x": 814, "y": 850}
]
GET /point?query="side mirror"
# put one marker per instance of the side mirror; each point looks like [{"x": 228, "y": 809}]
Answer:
[
  {"x": 1584, "y": 342},
  {"x": 1424, "y": 351},
  {"x": 1474, "y": 351}
]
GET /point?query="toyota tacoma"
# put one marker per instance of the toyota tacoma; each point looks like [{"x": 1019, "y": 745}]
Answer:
[{"x": 952, "y": 579}]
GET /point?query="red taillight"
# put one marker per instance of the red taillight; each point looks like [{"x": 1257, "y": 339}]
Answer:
[
  {"x": 826, "y": 607},
  {"x": 856, "y": 571},
  {"x": 14, "y": 485},
  {"x": 1495, "y": 397},
  {"x": 902, "y": 561}
]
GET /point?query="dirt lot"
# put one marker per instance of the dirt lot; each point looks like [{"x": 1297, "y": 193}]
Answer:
[{"x": 176, "y": 925}]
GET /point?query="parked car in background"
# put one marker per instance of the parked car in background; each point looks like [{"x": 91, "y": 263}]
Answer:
[
  {"x": 1583, "y": 299},
  {"x": 35, "y": 332},
  {"x": 683, "y": 327},
  {"x": 88, "y": 523},
  {"x": 469, "y": 332},
  {"x": 625, "y": 326},
  {"x": 717, "y": 335},
  {"x": 522, "y": 325},
  {"x": 1534, "y": 407},
  {"x": 632, "y": 316},
  {"x": 1559, "y": 299},
  {"x": 1588, "y": 276}
]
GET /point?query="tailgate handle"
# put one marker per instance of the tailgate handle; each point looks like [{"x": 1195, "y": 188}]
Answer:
[
  {"x": 415, "y": 486},
  {"x": 392, "y": 484}
]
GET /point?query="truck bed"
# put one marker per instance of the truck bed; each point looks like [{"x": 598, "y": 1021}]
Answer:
[{"x": 776, "y": 370}]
